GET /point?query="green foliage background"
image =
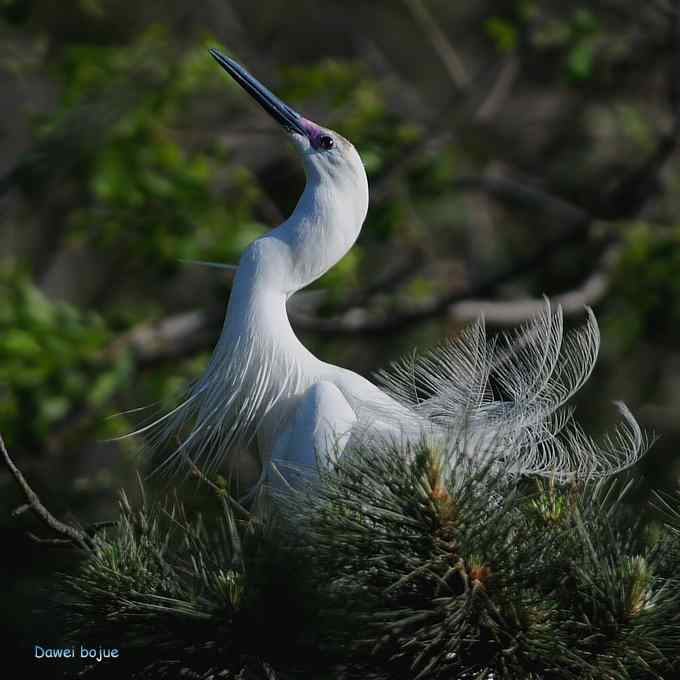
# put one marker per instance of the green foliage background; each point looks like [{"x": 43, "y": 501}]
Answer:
[{"x": 124, "y": 150}]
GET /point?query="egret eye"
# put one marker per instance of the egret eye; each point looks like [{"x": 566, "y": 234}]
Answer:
[{"x": 326, "y": 142}]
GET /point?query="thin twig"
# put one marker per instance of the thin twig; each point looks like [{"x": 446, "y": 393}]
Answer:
[
  {"x": 440, "y": 42},
  {"x": 500, "y": 90},
  {"x": 71, "y": 535}
]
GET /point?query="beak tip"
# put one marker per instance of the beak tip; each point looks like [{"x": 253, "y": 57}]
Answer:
[{"x": 274, "y": 106}]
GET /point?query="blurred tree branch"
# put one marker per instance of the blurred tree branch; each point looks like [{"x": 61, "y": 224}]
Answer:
[
  {"x": 632, "y": 192},
  {"x": 626, "y": 201},
  {"x": 516, "y": 311},
  {"x": 173, "y": 337},
  {"x": 450, "y": 59},
  {"x": 78, "y": 134},
  {"x": 500, "y": 90},
  {"x": 183, "y": 334}
]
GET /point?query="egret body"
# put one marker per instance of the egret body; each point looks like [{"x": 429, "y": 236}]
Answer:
[{"x": 264, "y": 396}]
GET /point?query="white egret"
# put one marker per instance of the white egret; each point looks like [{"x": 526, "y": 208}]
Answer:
[{"x": 265, "y": 397}]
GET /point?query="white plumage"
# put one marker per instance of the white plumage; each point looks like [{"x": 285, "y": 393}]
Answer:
[{"x": 265, "y": 394}]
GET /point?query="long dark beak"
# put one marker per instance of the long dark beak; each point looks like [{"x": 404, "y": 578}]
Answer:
[{"x": 277, "y": 109}]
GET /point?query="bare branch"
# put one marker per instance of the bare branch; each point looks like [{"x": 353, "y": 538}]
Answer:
[
  {"x": 49, "y": 541},
  {"x": 17, "y": 512},
  {"x": 524, "y": 195},
  {"x": 441, "y": 44},
  {"x": 181, "y": 335},
  {"x": 514, "y": 312},
  {"x": 174, "y": 337},
  {"x": 69, "y": 534},
  {"x": 500, "y": 90},
  {"x": 578, "y": 220}
]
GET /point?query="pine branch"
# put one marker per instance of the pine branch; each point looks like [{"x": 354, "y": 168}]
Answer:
[{"x": 401, "y": 563}]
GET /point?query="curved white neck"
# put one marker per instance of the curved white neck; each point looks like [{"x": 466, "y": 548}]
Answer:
[{"x": 323, "y": 227}]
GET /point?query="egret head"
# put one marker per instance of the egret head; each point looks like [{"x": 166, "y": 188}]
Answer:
[{"x": 327, "y": 155}]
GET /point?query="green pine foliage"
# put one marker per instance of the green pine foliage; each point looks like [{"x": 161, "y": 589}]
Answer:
[
  {"x": 191, "y": 597},
  {"x": 397, "y": 564}
]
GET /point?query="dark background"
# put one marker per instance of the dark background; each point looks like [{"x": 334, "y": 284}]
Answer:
[{"x": 514, "y": 149}]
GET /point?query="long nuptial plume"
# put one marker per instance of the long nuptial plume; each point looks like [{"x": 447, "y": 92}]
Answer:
[{"x": 507, "y": 398}]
